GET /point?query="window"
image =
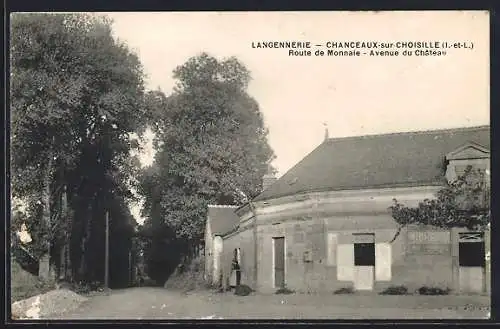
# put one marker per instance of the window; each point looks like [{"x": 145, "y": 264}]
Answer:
[
  {"x": 471, "y": 254},
  {"x": 364, "y": 254},
  {"x": 364, "y": 249}
]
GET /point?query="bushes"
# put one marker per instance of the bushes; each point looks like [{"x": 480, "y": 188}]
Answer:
[
  {"x": 284, "y": 291},
  {"x": 83, "y": 288},
  {"x": 344, "y": 291},
  {"x": 243, "y": 290},
  {"x": 433, "y": 291},
  {"x": 424, "y": 290},
  {"x": 395, "y": 290}
]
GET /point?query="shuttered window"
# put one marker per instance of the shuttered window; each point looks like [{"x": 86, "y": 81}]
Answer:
[
  {"x": 345, "y": 262},
  {"x": 383, "y": 262},
  {"x": 332, "y": 249}
]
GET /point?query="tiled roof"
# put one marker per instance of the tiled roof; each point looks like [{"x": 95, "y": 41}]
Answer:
[
  {"x": 222, "y": 218},
  {"x": 375, "y": 161}
]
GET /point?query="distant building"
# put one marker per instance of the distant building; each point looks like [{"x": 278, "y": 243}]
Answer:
[
  {"x": 326, "y": 225},
  {"x": 221, "y": 219}
]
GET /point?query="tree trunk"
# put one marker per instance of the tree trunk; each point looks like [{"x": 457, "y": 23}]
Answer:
[
  {"x": 46, "y": 271},
  {"x": 398, "y": 232}
]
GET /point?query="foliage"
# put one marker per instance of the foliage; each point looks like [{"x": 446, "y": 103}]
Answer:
[
  {"x": 211, "y": 147},
  {"x": 76, "y": 96},
  {"x": 433, "y": 291},
  {"x": 464, "y": 202},
  {"x": 344, "y": 290},
  {"x": 284, "y": 291},
  {"x": 161, "y": 251},
  {"x": 71, "y": 85},
  {"x": 395, "y": 290},
  {"x": 243, "y": 290}
]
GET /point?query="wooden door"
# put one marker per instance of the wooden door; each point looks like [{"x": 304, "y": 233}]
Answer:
[
  {"x": 279, "y": 262},
  {"x": 471, "y": 252},
  {"x": 364, "y": 261}
]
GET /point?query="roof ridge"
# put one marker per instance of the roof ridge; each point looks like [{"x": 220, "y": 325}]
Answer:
[
  {"x": 222, "y": 206},
  {"x": 416, "y": 132}
]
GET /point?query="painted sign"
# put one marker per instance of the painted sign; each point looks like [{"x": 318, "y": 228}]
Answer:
[
  {"x": 429, "y": 249},
  {"x": 431, "y": 237}
]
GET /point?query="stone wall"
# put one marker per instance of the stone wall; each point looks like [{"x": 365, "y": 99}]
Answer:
[
  {"x": 319, "y": 227},
  {"x": 427, "y": 260},
  {"x": 419, "y": 256},
  {"x": 310, "y": 259}
]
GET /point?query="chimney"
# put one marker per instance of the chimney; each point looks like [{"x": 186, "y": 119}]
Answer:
[
  {"x": 268, "y": 180},
  {"x": 326, "y": 131}
]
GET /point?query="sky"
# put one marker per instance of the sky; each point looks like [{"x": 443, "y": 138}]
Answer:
[{"x": 298, "y": 95}]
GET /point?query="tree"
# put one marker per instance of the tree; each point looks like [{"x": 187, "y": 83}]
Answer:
[
  {"x": 76, "y": 95},
  {"x": 464, "y": 202},
  {"x": 211, "y": 145}
]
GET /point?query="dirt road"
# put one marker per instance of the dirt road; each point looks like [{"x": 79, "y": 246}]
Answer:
[{"x": 159, "y": 303}]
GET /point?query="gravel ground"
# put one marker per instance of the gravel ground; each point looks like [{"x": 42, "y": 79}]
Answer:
[
  {"x": 47, "y": 305},
  {"x": 159, "y": 303}
]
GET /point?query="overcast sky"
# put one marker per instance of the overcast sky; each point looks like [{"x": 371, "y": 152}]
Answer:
[{"x": 353, "y": 95}]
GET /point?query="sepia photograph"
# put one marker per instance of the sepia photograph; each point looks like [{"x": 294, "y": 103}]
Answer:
[{"x": 231, "y": 165}]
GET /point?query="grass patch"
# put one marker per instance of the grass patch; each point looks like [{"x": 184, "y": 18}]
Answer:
[
  {"x": 344, "y": 291},
  {"x": 395, "y": 290},
  {"x": 433, "y": 291},
  {"x": 284, "y": 291}
]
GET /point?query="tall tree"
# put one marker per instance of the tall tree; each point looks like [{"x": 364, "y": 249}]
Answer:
[
  {"x": 211, "y": 145},
  {"x": 464, "y": 202},
  {"x": 76, "y": 95}
]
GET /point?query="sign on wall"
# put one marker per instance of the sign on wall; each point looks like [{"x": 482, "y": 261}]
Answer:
[
  {"x": 429, "y": 249},
  {"x": 429, "y": 242},
  {"x": 431, "y": 237}
]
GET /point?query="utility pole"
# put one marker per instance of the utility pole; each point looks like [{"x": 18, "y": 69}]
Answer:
[{"x": 106, "y": 254}]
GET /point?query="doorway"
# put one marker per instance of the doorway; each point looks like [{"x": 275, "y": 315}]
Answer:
[
  {"x": 471, "y": 257},
  {"x": 364, "y": 261},
  {"x": 279, "y": 262},
  {"x": 235, "y": 279}
]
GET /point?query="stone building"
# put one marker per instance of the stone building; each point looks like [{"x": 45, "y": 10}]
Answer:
[{"x": 326, "y": 224}]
